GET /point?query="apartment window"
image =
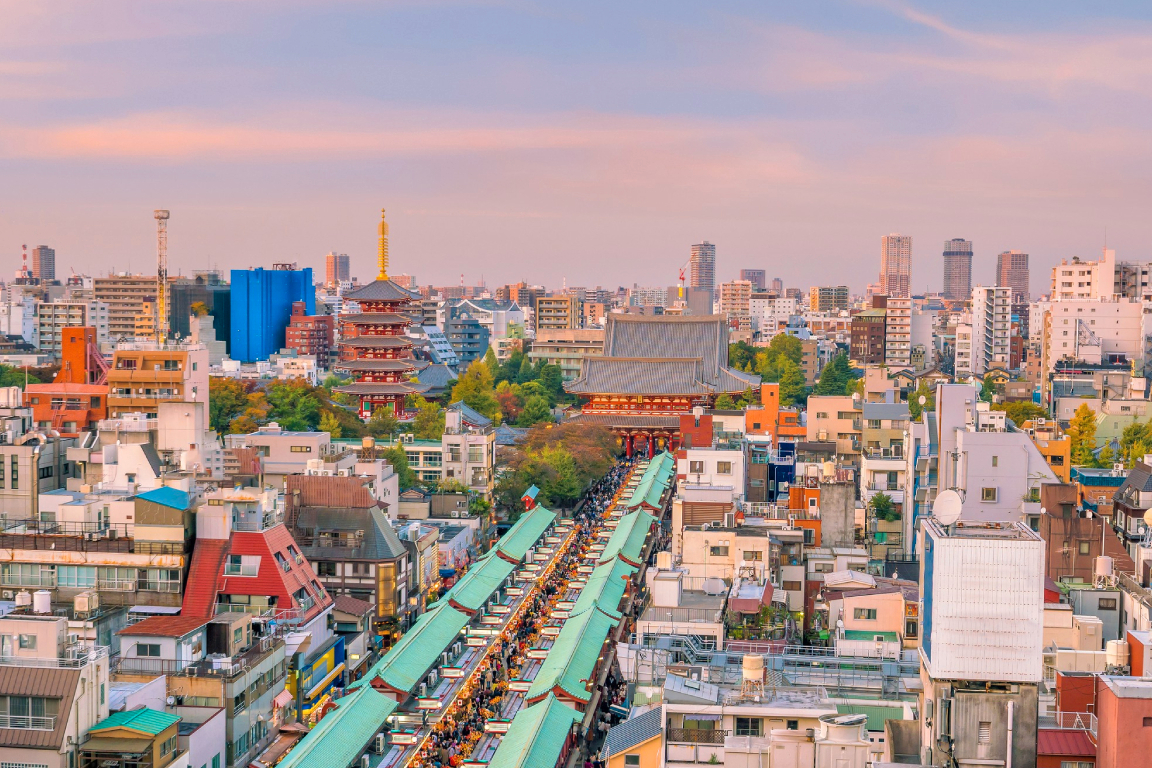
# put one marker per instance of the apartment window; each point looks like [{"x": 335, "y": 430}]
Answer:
[
  {"x": 242, "y": 565},
  {"x": 295, "y": 554},
  {"x": 723, "y": 467},
  {"x": 15, "y": 474},
  {"x": 873, "y": 423},
  {"x": 995, "y": 461},
  {"x": 631, "y": 759},
  {"x": 413, "y": 458},
  {"x": 718, "y": 551},
  {"x": 29, "y": 712},
  {"x": 749, "y": 726},
  {"x": 475, "y": 454},
  {"x": 821, "y": 415},
  {"x": 301, "y": 449},
  {"x": 792, "y": 586},
  {"x": 911, "y": 629},
  {"x": 696, "y": 467},
  {"x": 326, "y": 568},
  {"x": 792, "y": 725},
  {"x": 1080, "y": 763},
  {"x": 148, "y": 650},
  {"x": 987, "y": 494},
  {"x": 1148, "y": 722},
  {"x": 1085, "y": 547},
  {"x": 753, "y": 555},
  {"x": 1106, "y": 604},
  {"x": 864, "y": 613},
  {"x": 27, "y": 642},
  {"x": 168, "y": 746}
]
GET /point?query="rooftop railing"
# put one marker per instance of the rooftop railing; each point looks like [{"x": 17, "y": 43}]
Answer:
[{"x": 75, "y": 657}]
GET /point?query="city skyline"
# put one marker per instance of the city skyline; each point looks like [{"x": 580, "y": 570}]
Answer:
[{"x": 502, "y": 135}]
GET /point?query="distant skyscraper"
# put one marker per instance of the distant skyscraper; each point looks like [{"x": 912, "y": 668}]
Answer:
[
  {"x": 336, "y": 269},
  {"x": 1012, "y": 272},
  {"x": 44, "y": 263},
  {"x": 757, "y": 277},
  {"x": 896, "y": 265},
  {"x": 703, "y": 267},
  {"x": 777, "y": 285},
  {"x": 958, "y": 269}
]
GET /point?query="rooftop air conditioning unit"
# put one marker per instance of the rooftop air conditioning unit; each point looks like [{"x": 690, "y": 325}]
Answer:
[
  {"x": 454, "y": 513},
  {"x": 379, "y": 744},
  {"x": 729, "y": 519},
  {"x": 423, "y": 690}
]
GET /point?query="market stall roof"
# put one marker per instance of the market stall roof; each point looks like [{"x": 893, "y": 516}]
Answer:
[
  {"x": 418, "y": 650},
  {"x": 479, "y": 583},
  {"x": 572, "y": 659},
  {"x": 537, "y": 736},
  {"x": 627, "y": 540},
  {"x": 525, "y": 533},
  {"x": 344, "y": 733},
  {"x": 605, "y": 588}
]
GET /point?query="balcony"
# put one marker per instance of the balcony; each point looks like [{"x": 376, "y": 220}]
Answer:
[
  {"x": 28, "y": 722},
  {"x": 75, "y": 657},
  {"x": 80, "y": 537},
  {"x": 696, "y": 736}
]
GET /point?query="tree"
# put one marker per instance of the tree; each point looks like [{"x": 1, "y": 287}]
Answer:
[
  {"x": 475, "y": 388},
  {"x": 883, "y": 508},
  {"x": 1135, "y": 442},
  {"x": 383, "y": 423},
  {"x": 741, "y": 355},
  {"x": 227, "y": 399},
  {"x": 535, "y": 411},
  {"x": 330, "y": 424},
  {"x": 836, "y": 378},
  {"x": 429, "y": 421},
  {"x": 922, "y": 391},
  {"x": 396, "y": 456},
  {"x": 490, "y": 361},
  {"x": 564, "y": 486},
  {"x": 1082, "y": 430},
  {"x": 793, "y": 386},
  {"x": 525, "y": 373},
  {"x": 511, "y": 399},
  {"x": 552, "y": 379},
  {"x": 1021, "y": 412},
  {"x": 988, "y": 388},
  {"x": 725, "y": 402}
]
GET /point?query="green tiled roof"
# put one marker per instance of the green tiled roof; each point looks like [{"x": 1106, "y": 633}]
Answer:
[
  {"x": 573, "y": 656},
  {"x": 628, "y": 538},
  {"x": 344, "y": 733},
  {"x": 605, "y": 588},
  {"x": 655, "y": 480},
  {"x": 525, "y": 533},
  {"x": 148, "y": 721},
  {"x": 418, "y": 650},
  {"x": 536, "y": 736},
  {"x": 481, "y": 580},
  {"x": 867, "y": 634},
  {"x": 877, "y": 713}
]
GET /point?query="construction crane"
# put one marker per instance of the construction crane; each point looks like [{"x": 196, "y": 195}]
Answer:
[
  {"x": 683, "y": 270},
  {"x": 161, "y": 276}
]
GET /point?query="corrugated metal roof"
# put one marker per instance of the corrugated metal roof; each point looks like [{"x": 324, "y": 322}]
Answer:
[
  {"x": 536, "y": 737},
  {"x": 877, "y": 714},
  {"x": 1067, "y": 742},
  {"x": 143, "y": 720},
  {"x": 632, "y": 732},
  {"x": 524, "y": 534},
  {"x": 169, "y": 497},
  {"x": 344, "y": 733},
  {"x": 418, "y": 649},
  {"x": 573, "y": 656},
  {"x": 605, "y": 588},
  {"x": 39, "y": 681}
]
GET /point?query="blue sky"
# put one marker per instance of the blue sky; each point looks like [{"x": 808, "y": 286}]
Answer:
[{"x": 592, "y": 142}]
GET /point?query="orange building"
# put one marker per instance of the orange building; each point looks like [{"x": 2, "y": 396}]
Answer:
[
  {"x": 770, "y": 419},
  {"x": 78, "y": 397}
]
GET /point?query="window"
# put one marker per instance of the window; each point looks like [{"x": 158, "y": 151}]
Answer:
[
  {"x": 28, "y": 642},
  {"x": 282, "y": 562},
  {"x": 723, "y": 467},
  {"x": 1078, "y": 763},
  {"x": 873, "y": 423},
  {"x": 792, "y": 586},
  {"x": 475, "y": 454},
  {"x": 987, "y": 494},
  {"x": 242, "y": 565},
  {"x": 301, "y": 449},
  {"x": 29, "y": 712},
  {"x": 326, "y": 568},
  {"x": 1106, "y": 604},
  {"x": 631, "y": 759},
  {"x": 295, "y": 554},
  {"x": 911, "y": 628},
  {"x": 718, "y": 551},
  {"x": 696, "y": 467},
  {"x": 752, "y": 555},
  {"x": 101, "y": 693},
  {"x": 995, "y": 461},
  {"x": 1148, "y": 722},
  {"x": 864, "y": 613},
  {"x": 748, "y": 726},
  {"x": 1085, "y": 547},
  {"x": 15, "y": 474},
  {"x": 168, "y": 746},
  {"x": 148, "y": 650},
  {"x": 793, "y": 725}
]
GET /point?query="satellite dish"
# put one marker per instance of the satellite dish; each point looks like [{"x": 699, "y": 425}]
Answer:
[
  {"x": 170, "y": 700},
  {"x": 1148, "y": 518},
  {"x": 948, "y": 506}
]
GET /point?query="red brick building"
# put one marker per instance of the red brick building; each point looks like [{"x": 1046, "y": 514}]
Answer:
[{"x": 311, "y": 335}]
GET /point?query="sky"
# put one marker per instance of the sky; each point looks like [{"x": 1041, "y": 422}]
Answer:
[{"x": 586, "y": 142}]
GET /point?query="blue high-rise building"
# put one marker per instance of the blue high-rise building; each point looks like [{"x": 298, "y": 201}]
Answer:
[{"x": 261, "y": 308}]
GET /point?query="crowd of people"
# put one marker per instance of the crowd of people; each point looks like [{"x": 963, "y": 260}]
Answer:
[{"x": 455, "y": 736}]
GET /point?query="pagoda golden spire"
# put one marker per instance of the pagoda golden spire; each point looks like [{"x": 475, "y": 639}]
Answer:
[{"x": 383, "y": 255}]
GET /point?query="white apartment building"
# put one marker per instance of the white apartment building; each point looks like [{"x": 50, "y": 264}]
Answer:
[
  {"x": 923, "y": 336},
  {"x": 986, "y": 341},
  {"x": 898, "y": 333},
  {"x": 1078, "y": 279},
  {"x": 52, "y": 317},
  {"x": 1095, "y": 331},
  {"x": 770, "y": 312},
  {"x": 735, "y": 299}
]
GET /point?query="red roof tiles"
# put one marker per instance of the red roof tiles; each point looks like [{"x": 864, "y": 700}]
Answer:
[{"x": 1073, "y": 743}]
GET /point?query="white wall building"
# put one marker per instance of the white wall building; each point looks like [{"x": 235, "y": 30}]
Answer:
[
  {"x": 1096, "y": 331},
  {"x": 989, "y": 342},
  {"x": 898, "y": 333}
]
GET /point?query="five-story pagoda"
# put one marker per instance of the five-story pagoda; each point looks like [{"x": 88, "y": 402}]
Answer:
[{"x": 374, "y": 347}]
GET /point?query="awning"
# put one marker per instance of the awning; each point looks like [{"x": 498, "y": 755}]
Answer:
[
  {"x": 701, "y": 717},
  {"x": 283, "y": 699},
  {"x": 447, "y": 573}
]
